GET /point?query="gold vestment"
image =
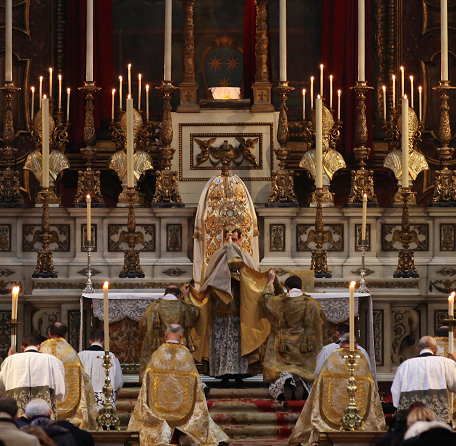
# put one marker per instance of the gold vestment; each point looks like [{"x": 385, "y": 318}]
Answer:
[
  {"x": 442, "y": 350},
  {"x": 296, "y": 336},
  {"x": 79, "y": 406},
  {"x": 328, "y": 400},
  {"x": 155, "y": 321},
  {"x": 172, "y": 397}
]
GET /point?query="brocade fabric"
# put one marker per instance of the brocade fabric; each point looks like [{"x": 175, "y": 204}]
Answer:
[{"x": 23, "y": 395}]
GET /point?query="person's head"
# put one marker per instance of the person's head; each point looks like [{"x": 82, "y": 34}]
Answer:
[
  {"x": 37, "y": 407},
  {"x": 174, "y": 290},
  {"x": 399, "y": 422},
  {"x": 427, "y": 342},
  {"x": 442, "y": 332},
  {"x": 342, "y": 329},
  {"x": 419, "y": 412},
  {"x": 174, "y": 332},
  {"x": 9, "y": 406},
  {"x": 97, "y": 336},
  {"x": 293, "y": 282},
  {"x": 58, "y": 330},
  {"x": 236, "y": 236},
  {"x": 30, "y": 341},
  {"x": 345, "y": 341},
  {"x": 39, "y": 433}
]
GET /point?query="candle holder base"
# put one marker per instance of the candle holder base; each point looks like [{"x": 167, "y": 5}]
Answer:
[
  {"x": 89, "y": 181},
  {"x": 262, "y": 98},
  {"x": 282, "y": 188},
  {"x": 362, "y": 182},
  {"x": 327, "y": 199},
  {"x": 188, "y": 98},
  {"x": 167, "y": 188},
  {"x": 132, "y": 268},
  {"x": 88, "y": 245},
  {"x": 10, "y": 193}
]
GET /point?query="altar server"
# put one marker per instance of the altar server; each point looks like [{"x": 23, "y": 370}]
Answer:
[
  {"x": 93, "y": 365},
  {"x": 32, "y": 374},
  {"x": 79, "y": 405}
]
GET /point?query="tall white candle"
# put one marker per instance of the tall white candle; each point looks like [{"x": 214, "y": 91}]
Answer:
[
  {"x": 331, "y": 92},
  {"x": 444, "y": 39},
  {"x": 361, "y": 41},
  {"x": 41, "y": 91},
  {"x": 402, "y": 82},
  {"x": 411, "y": 92},
  {"x": 351, "y": 320},
  {"x": 384, "y": 102},
  {"x": 50, "y": 82},
  {"x": 451, "y": 315},
  {"x": 68, "y": 105},
  {"x": 45, "y": 142},
  {"x": 139, "y": 91},
  {"x": 312, "y": 92},
  {"x": 106, "y": 315},
  {"x": 420, "y": 103},
  {"x": 319, "y": 142},
  {"x": 89, "y": 218},
  {"x": 405, "y": 143},
  {"x": 112, "y": 103},
  {"x": 364, "y": 221},
  {"x": 321, "y": 80},
  {"x": 394, "y": 92},
  {"x": 303, "y": 104},
  {"x": 89, "y": 48},
  {"x": 147, "y": 102},
  {"x": 339, "y": 94},
  {"x": 60, "y": 92},
  {"x": 14, "y": 302},
  {"x": 120, "y": 92},
  {"x": 129, "y": 79},
  {"x": 130, "y": 156},
  {"x": 32, "y": 111},
  {"x": 168, "y": 38},
  {"x": 9, "y": 41}
]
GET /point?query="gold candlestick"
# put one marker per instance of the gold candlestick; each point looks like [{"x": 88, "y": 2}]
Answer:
[{"x": 319, "y": 260}]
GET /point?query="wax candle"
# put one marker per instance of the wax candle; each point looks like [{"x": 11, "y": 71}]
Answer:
[
  {"x": 89, "y": 218},
  {"x": 89, "y": 48},
  {"x": 50, "y": 82},
  {"x": 361, "y": 41},
  {"x": 451, "y": 316},
  {"x": 60, "y": 92},
  {"x": 411, "y": 91},
  {"x": 41, "y": 91},
  {"x": 331, "y": 92},
  {"x": 130, "y": 155},
  {"x": 339, "y": 94},
  {"x": 319, "y": 142},
  {"x": 351, "y": 321},
  {"x": 45, "y": 142},
  {"x": 120, "y": 92},
  {"x": 112, "y": 105},
  {"x": 139, "y": 91},
  {"x": 321, "y": 80},
  {"x": 129, "y": 79},
  {"x": 444, "y": 39},
  {"x": 147, "y": 102},
  {"x": 14, "y": 303},
  {"x": 9, "y": 41},
  {"x": 405, "y": 143},
  {"x": 312, "y": 92},
  {"x": 303, "y": 104},
  {"x": 384, "y": 102},
  {"x": 32, "y": 111},
  {"x": 106, "y": 315},
  {"x": 168, "y": 38},
  {"x": 420, "y": 103},
  {"x": 402, "y": 82},
  {"x": 363, "y": 226},
  {"x": 68, "y": 105},
  {"x": 394, "y": 92}
]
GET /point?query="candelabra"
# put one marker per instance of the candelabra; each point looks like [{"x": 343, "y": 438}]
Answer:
[
  {"x": 167, "y": 186},
  {"x": 10, "y": 194},
  {"x": 45, "y": 263},
  {"x": 132, "y": 266},
  {"x": 13, "y": 325},
  {"x": 107, "y": 417},
  {"x": 445, "y": 179},
  {"x": 362, "y": 283},
  {"x": 282, "y": 182},
  {"x": 352, "y": 420},
  {"x": 88, "y": 246},
  {"x": 362, "y": 180},
  {"x": 406, "y": 259},
  {"x": 319, "y": 260}
]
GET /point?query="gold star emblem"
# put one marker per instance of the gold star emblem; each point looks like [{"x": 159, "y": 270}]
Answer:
[
  {"x": 232, "y": 63},
  {"x": 224, "y": 82},
  {"x": 216, "y": 63}
]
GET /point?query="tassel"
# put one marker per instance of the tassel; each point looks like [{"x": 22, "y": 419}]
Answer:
[{"x": 157, "y": 321}]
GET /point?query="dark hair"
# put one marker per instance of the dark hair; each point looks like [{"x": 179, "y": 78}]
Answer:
[
  {"x": 293, "y": 282},
  {"x": 343, "y": 328},
  {"x": 8, "y": 405},
  {"x": 58, "y": 329},
  {"x": 173, "y": 289},
  {"x": 97, "y": 335},
  {"x": 29, "y": 340},
  {"x": 442, "y": 332},
  {"x": 237, "y": 231},
  {"x": 39, "y": 433}
]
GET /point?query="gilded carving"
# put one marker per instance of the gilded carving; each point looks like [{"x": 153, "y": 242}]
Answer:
[
  {"x": 333, "y": 237},
  {"x": 447, "y": 271},
  {"x": 358, "y": 235},
  {"x": 391, "y": 237},
  {"x": 83, "y": 272},
  {"x": 447, "y": 237},
  {"x": 174, "y": 237},
  {"x": 174, "y": 272},
  {"x": 276, "y": 238},
  {"x": 378, "y": 336},
  {"x": 5, "y": 238},
  {"x": 118, "y": 238},
  {"x": 59, "y": 238},
  {"x": 367, "y": 272}
]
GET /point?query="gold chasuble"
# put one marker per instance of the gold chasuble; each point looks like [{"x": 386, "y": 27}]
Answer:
[
  {"x": 156, "y": 320},
  {"x": 79, "y": 405},
  {"x": 296, "y": 336},
  {"x": 172, "y": 397},
  {"x": 328, "y": 399}
]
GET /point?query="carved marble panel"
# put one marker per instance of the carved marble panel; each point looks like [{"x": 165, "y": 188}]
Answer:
[
  {"x": 358, "y": 232},
  {"x": 42, "y": 320},
  {"x": 21, "y": 16},
  {"x": 277, "y": 238},
  {"x": 60, "y": 238},
  {"x": 84, "y": 238},
  {"x": 5, "y": 238},
  {"x": 333, "y": 237},
  {"x": 5, "y": 334},
  {"x": 117, "y": 241},
  {"x": 74, "y": 321},
  {"x": 439, "y": 317},
  {"x": 447, "y": 237},
  {"x": 442, "y": 285},
  {"x": 174, "y": 272},
  {"x": 378, "y": 336},
  {"x": 405, "y": 327},
  {"x": 391, "y": 237},
  {"x": 173, "y": 237}
]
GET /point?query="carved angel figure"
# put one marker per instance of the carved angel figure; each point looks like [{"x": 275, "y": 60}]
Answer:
[
  {"x": 247, "y": 147},
  {"x": 205, "y": 149}
]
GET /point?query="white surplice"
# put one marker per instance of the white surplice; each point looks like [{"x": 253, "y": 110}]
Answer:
[
  {"x": 32, "y": 374},
  {"x": 93, "y": 365}
]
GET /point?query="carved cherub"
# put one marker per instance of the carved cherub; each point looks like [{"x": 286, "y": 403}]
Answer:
[
  {"x": 247, "y": 147},
  {"x": 205, "y": 147}
]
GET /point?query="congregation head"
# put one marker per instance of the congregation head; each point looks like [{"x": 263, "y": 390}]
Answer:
[
  {"x": 58, "y": 330},
  {"x": 97, "y": 336},
  {"x": 8, "y": 406},
  {"x": 174, "y": 290},
  {"x": 419, "y": 412},
  {"x": 31, "y": 340},
  {"x": 293, "y": 282},
  {"x": 342, "y": 329},
  {"x": 37, "y": 407},
  {"x": 442, "y": 332},
  {"x": 427, "y": 342}
]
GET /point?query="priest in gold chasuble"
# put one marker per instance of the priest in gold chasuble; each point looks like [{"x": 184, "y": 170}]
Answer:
[
  {"x": 79, "y": 404},
  {"x": 171, "y": 404},
  {"x": 328, "y": 400}
]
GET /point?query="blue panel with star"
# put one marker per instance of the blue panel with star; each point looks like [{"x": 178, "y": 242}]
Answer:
[{"x": 223, "y": 67}]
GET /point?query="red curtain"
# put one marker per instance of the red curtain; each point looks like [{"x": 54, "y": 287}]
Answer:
[
  {"x": 339, "y": 54},
  {"x": 249, "y": 48},
  {"x": 76, "y": 63}
]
